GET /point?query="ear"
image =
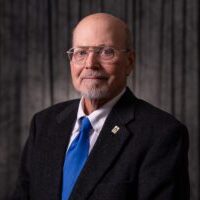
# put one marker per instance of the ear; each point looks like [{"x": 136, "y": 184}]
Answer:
[{"x": 130, "y": 62}]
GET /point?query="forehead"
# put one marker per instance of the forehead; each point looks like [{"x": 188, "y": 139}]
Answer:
[{"x": 99, "y": 31}]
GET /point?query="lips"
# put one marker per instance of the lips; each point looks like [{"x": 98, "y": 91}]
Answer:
[{"x": 95, "y": 76}]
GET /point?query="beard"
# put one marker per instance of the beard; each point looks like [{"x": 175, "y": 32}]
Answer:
[
  {"x": 95, "y": 92},
  {"x": 95, "y": 89}
]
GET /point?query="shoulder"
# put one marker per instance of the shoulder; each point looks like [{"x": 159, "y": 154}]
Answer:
[
  {"x": 154, "y": 116},
  {"x": 56, "y": 109},
  {"x": 154, "y": 124},
  {"x": 148, "y": 121},
  {"x": 143, "y": 112}
]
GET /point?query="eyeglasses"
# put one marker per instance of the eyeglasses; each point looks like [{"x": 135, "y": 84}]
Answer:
[{"x": 105, "y": 54}]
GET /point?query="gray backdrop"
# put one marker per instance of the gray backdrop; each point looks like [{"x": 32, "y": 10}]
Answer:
[{"x": 34, "y": 72}]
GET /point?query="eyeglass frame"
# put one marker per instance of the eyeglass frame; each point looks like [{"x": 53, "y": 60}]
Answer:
[{"x": 95, "y": 49}]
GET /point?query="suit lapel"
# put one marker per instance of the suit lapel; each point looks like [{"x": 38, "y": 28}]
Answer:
[
  {"x": 57, "y": 139},
  {"x": 108, "y": 146}
]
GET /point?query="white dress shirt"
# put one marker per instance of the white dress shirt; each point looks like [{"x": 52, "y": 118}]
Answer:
[{"x": 97, "y": 119}]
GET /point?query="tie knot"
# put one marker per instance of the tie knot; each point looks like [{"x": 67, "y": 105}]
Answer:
[{"x": 85, "y": 124}]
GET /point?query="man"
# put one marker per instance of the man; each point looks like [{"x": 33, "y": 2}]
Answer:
[{"x": 109, "y": 145}]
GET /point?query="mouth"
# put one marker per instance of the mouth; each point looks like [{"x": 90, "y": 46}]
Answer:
[{"x": 95, "y": 78}]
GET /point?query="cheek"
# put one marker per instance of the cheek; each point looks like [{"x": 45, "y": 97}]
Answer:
[
  {"x": 117, "y": 74},
  {"x": 116, "y": 70},
  {"x": 75, "y": 71},
  {"x": 74, "y": 75}
]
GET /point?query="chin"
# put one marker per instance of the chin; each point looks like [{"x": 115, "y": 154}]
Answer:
[{"x": 96, "y": 93}]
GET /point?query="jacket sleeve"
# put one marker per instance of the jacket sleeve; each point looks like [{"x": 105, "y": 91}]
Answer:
[
  {"x": 164, "y": 172},
  {"x": 22, "y": 189}
]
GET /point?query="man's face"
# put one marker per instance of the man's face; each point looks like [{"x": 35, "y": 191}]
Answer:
[{"x": 95, "y": 79}]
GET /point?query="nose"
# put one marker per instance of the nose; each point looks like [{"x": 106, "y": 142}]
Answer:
[{"x": 92, "y": 61}]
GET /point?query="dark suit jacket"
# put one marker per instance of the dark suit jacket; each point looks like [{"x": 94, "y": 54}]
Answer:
[{"x": 145, "y": 160}]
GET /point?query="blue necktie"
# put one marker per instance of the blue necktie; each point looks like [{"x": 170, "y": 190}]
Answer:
[{"x": 75, "y": 158}]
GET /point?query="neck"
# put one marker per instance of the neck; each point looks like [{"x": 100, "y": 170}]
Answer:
[{"x": 91, "y": 105}]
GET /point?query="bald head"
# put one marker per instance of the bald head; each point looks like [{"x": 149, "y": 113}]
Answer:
[{"x": 106, "y": 24}]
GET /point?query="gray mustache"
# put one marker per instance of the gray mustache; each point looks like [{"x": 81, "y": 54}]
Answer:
[{"x": 94, "y": 74}]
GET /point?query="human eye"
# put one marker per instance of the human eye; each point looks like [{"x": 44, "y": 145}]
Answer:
[
  {"x": 80, "y": 52},
  {"x": 107, "y": 52}
]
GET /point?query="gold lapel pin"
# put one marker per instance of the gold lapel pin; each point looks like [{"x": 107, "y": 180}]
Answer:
[{"x": 115, "y": 129}]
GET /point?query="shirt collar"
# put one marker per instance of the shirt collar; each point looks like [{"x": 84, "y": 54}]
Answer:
[{"x": 97, "y": 117}]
